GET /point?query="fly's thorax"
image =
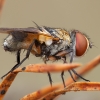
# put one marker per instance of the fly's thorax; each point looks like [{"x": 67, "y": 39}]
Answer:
[
  {"x": 63, "y": 35},
  {"x": 54, "y": 34},
  {"x": 53, "y": 46}
]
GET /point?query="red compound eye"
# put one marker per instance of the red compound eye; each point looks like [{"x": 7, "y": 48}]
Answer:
[{"x": 82, "y": 44}]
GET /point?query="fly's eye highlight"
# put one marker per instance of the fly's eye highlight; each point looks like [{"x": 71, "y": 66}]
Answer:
[{"x": 82, "y": 43}]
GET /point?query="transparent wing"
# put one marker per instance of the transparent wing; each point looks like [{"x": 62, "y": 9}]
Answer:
[{"x": 29, "y": 30}]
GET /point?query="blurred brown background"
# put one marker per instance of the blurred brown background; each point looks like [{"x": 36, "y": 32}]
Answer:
[{"x": 83, "y": 15}]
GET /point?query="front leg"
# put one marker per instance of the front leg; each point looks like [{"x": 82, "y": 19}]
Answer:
[{"x": 71, "y": 60}]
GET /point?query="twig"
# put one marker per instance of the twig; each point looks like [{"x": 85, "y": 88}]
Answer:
[
  {"x": 77, "y": 86},
  {"x": 6, "y": 83},
  {"x": 44, "y": 68}
]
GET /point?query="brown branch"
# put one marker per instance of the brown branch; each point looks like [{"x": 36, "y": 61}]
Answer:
[
  {"x": 77, "y": 86},
  {"x": 40, "y": 93},
  {"x": 44, "y": 68},
  {"x": 6, "y": 83},
  {"x": 50, "y": 91}
]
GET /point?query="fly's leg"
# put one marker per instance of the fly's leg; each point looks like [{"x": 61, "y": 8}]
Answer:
[
  {"x": 18, "y": 58},
  {"x": 75, "y": 71},
  {"x": 49, "y": 75},
  {"x": 50, "y": 79},
  {"x": 62, "y": 55},
  {"x": 62, "y": 73},
  {"x": 80, "y": 75},
  {"x": 71, "y": 75}
]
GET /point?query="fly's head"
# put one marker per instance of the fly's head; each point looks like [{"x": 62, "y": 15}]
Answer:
[
  {"x": 13, "y": 41},
  {"x": 81, "y": 42}
]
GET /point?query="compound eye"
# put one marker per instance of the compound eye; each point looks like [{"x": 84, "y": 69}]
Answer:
[{"x": 82, "y": 44}]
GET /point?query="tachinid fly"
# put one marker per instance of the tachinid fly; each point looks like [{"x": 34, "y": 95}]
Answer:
[{"x": 46, "y": 42}]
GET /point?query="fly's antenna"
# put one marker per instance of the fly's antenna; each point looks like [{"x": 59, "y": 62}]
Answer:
[{"x": 37, "y": 26}]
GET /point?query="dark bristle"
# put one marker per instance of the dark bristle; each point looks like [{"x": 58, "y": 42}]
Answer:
[{"x": 37, "y": 26}]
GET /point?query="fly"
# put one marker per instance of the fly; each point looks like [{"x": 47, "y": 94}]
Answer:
[{"x": 46, "y": 42}]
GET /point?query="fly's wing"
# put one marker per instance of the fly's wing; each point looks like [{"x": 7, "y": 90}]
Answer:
[
  {"x": 29, "y": 30},
  {"x": 44, "y": 34}
]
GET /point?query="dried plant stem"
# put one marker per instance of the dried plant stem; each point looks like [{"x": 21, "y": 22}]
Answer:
[
  {"x": 4, "y": 86},
  {"x": 40, "y": 93},
  {"x": 6, "y": 83},
  {"x": 44, "y": 68},
  {"x": 77, "y": 86},
  {"x": 49, "y": 92}
]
